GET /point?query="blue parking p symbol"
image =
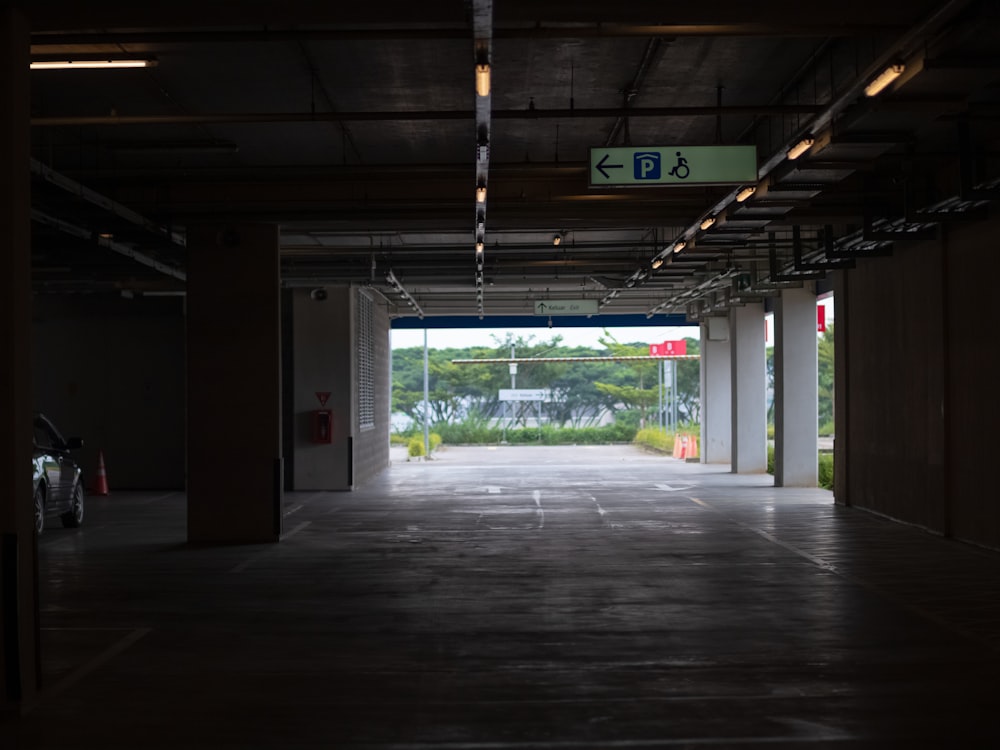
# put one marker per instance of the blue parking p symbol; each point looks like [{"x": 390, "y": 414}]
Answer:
[{"x": 646, "y": 166}]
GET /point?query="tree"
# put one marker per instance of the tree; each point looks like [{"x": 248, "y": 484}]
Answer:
[
  {"x": 824, "y": 385},
  {"x": 462, "y": 392},
  {"x": 825, "y": 363},
  {"x": 632, "y": 396},
  {"x": 689, "y": 385}
]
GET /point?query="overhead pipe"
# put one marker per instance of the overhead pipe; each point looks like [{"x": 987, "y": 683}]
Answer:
[
  {"x": 251, "y": 118},
  {"x": 43, "y": 40},
  {"x": 119, "y": 210},
  {"x": 632, "y": 91},
  {"x": 119, "y": 247}
]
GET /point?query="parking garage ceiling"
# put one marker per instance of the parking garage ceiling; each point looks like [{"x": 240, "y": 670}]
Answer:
[{"x": 359, "y": 130}]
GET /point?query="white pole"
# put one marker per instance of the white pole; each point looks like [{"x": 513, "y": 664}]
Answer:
[
  {"x": 660, "y": 379},
  {"x": 427, "y": 403},
  {"x": 673, "y": 390}
]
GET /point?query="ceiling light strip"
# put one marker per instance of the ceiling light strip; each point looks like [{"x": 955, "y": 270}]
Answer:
[
  {"x": 800, "y": 148},
  {"x": 884, "y": 78},
  {"x": 482, "y": 29},
  {"x": 391, "y": 279},
  {"x": 91, "y": 64}
]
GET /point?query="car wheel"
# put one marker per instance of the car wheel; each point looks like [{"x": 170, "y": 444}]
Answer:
[
  {"x": 39, "y": 508},
  {"x": 73, "y": 518}
]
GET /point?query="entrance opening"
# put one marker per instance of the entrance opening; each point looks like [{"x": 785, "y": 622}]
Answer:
[{"x": 531, "y": 386}]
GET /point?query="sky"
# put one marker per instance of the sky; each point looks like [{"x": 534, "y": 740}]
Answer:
[
  {"x": 460, "y": 338},
  {"x": 440, "y": 338}
]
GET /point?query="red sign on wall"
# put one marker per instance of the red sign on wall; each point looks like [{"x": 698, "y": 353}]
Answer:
[
  {"x": 821, "y": 318},
  {"x": 668, "y": 349}
]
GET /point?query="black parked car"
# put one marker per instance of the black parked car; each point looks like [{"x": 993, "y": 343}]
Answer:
[{"x": 57, "y": 478}]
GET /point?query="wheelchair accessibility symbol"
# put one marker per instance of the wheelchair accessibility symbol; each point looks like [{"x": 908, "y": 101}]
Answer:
[
  {"x": 681, "y": 169},
  {"x": 647, "y": 165}
]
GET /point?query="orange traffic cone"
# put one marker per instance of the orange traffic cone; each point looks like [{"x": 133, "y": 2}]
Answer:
[
  {"x": 677, "y": 445},
  {"x": 101, "y": 481},
  {"x": 693, "y": 453}
]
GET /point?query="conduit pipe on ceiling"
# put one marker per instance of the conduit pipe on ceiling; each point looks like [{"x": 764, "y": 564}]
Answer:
[
  {"x": 250, "y": 118},
  {"x": 42, "y": 41},
  {"x": 119, "y": 247},
  {"x": 73, "y": 187}
]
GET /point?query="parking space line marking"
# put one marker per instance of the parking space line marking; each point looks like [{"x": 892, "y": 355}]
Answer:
[
  {"x": 295, "y": 531},
  {"x": 268, "y": 550},
  {"x": 94, "y": 664},
  {"x": 889, "y": 596}
]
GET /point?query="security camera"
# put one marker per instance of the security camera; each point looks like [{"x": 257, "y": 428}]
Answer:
[{"x": 318, "y": 294}]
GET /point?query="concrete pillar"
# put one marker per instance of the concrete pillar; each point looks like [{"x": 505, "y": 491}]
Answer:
[
  {"x": 18, "y": 555},
  {"x": 842, "y": 394},
  {"x": 795, "y": 385},
  {"x": 716, "y": 392},
  {"x": 234, "y": 384},
  {"x": 323, "y": 364},
  {"x": 749, "y": 384}
]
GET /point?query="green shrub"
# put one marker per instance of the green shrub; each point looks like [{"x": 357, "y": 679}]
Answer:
[
  {"x": 653, "y": 437},
  {"x": 770, "y": 432},
  {"x": 690, "y": 428},
  {"x": 478, "y": 432},
  {"x": 396, "y": 439},
  {"x": 550, "y": 435},
  {"x": 472, "y": 432},
  {"x": 826, "y": 471},
  {"x": 826, "y": 429},
  {"x": 415, "y": 448},
  {"x": 824, "y": 466}
]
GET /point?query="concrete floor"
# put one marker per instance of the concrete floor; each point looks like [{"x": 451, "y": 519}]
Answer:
[{"x": 586, "y": 597}]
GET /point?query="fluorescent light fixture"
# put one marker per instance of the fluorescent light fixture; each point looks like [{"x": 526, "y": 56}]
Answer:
[
  {"x": 800, "y": 148},
  {"x": 557, "y": 240},
  {"x": 480, "y": 195},
  {"x": 679, "y": 245},
  {"x": 884, "y": 78},
  {"x": 709, "y": 221},
  {"x": 479, "y": 248},
  {"x": 90, "y": 64},
  {"x": 483, "y": 79},
  {"x": 657, "y": 262},
  {"x": 745, "y": 193}
]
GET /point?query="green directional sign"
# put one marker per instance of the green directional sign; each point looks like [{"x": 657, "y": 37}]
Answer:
[
  {"x": 672, "y": 165},
  {"x": 566, "y": 307}
]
